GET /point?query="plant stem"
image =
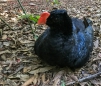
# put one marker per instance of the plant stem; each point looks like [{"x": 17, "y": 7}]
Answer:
[
  {"x": 27, "y": 18},
  {"x": 21, "y": 6},
  {"x": 6, "y": 23}
]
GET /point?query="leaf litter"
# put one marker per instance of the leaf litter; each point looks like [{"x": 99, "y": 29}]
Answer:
[{"x": 19, "y": 66}]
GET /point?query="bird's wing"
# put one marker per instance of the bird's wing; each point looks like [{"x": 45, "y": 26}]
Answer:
[{"x": 78, "y": 25}]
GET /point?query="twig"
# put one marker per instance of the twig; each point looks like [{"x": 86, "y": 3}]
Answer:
[
  {"x": 27, "y": 18},
  {"x": 20, "y": 68},
  {"x": 21, "y": 6},
  {"x": 5, "y": 23},
  {"x": 85, "y": 79}
]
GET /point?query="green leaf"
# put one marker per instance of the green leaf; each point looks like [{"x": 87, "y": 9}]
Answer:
[
  {"x": 35, "y": 18},
  {"x": 23, "y": 16},
  {"x": 55, "y": 1},
  {"x": 32, "y": 18}
]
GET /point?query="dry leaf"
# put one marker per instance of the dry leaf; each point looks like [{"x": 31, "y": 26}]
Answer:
[
  {"x": 11, "y": 81},
  {"x": 41, "y": 70},
  {"x": 3, "y": 57},
  {"x": 83, "y": 83},
  {"x": 44, "y": 79},
  {"x": 35, "y": 79},
  {"x": 96, "y": 43},
  {"x": 23, "y": 77},
  {"x": 4, "y": 37},
  {"x": 6, "y": 51},
  {"x": 6, "y": 43},
  {"x": 56, "y": 82},
  {"x": 2, "y": 82},
  {"x": 58, "y": 75},
  {"x": 97, "y": 58},
  {"x": 74, "y": 77},
  {"x": 39, "y": 81},
  {"x": 26, "y": 69},
  {"x": 95, "y": 67},
  {"x": 99, "y": 55},
  {"x": 96, "y": 83},
  {"x": 28, "y": 81},
  {"x": 25, "y": 41}
]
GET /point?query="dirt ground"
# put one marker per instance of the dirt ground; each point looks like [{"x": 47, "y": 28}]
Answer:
[{"x": 19, "y": 66}]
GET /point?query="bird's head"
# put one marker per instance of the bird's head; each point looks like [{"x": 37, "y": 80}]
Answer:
[{"x": 55, "y": 18}]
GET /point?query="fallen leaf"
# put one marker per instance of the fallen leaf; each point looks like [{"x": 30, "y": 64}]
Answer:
[
  {"x": 58, "y": 75},
  {"x": 25, "y": 41},
  {"x": 4, "y": 37},
  {"x": 29, "y": 81},
  {"x": 74, "y": 77},
  {"x": 11, "y": 81},
  {"x": 96, "y": 43},
  {"x": 6, "y": 51},
  {"x": 41, "y": 70},
  {"x": 26, "y": 69},
  {"x": 95, "y": 68},
  {"x": 23, "y": 77},
  {"x": 39, "y": 81},
  {"x": 97, "y": 58},
  {"x": 6, "y": 43},
  {"x": 35, "y": 79},
  {"x": 44, "y": 79},
  {"x": 56, "y": 82},
  {"x": 83, "y": 83}
]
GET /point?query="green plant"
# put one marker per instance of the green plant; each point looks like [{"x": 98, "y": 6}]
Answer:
[
  {"x": 63, "y": 83},
  {"x": 30, "y": 17},
  {"x": 55, "y": 1}
]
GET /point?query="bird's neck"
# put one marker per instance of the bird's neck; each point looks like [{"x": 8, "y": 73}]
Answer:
[{"x": 66, "y": 28}]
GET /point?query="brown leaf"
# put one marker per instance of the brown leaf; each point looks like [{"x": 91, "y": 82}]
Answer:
[
  {"x": 25, "y": 41},
  {"x": 44, "y": 79},
  {"x": 83, "y": 83},
  {"x": 41, "y": 70},
  {"x": 28, "y": 81},
  {"x": 58, "y": 75},
  {"x": 11, "y": 81},
  {"x": 74, "y": 77},
  {"x": 23, "y": 77},
  {"x": 6, "y": 51},
  {"x": 56, "y": 82},
  {"x": 35, "y": 79},
  {"x": 98, "y": 57},
  {"x": 26, "y": 69},
  {"x": 96, "y": 83},
  {"x": 39, "y": 80},
  {"x": 4, "y": 37},
  {"x": 95, "y": 68}
]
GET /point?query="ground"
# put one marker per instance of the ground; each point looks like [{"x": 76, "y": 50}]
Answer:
[{"x": 19, "y": 66}]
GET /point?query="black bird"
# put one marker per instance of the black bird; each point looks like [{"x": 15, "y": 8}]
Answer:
[{"x": 66, "y": 42}]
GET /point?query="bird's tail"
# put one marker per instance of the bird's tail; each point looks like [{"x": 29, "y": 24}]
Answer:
[{"x": 87, "y": 22}]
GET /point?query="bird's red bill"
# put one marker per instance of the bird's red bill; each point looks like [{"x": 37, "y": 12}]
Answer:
[{"x": 43, "y": 18}]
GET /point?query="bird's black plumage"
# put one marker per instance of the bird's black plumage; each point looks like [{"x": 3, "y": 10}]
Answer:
[{"x": 66, "y": 42}]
